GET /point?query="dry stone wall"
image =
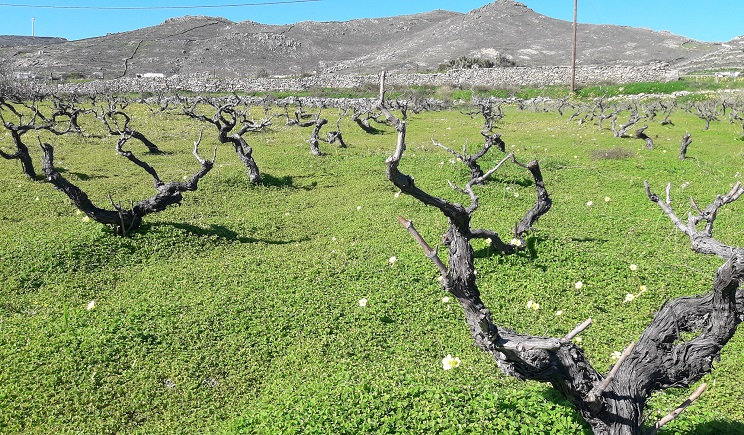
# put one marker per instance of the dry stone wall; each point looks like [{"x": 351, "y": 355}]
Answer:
[{"x": 491, "y": 77}]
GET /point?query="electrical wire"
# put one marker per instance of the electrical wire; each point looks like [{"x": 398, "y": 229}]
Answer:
[{"x": 144, "y": 8}]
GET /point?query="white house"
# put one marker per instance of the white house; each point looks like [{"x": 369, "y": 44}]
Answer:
[{"x": 151, "y": 76}]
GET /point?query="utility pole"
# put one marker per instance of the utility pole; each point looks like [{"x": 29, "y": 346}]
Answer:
[{"x": 573, "y": 49}]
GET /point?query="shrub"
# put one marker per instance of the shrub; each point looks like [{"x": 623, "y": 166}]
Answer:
[
  {"x": 465, "y": 62},
  {"x": 72, "y": 76}
]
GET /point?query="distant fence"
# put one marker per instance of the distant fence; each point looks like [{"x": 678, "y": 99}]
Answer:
[{"x": 486, "y": 77}]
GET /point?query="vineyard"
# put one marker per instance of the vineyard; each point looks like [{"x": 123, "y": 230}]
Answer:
[{"x": 236, "y": 264}]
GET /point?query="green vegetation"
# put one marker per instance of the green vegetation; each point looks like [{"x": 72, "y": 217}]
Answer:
[
  {"x": 467, "y": 62},
  {"x": 689, "y": 84},
  {"x": 320, "y": 93},
  {"x": 239, "y": 312}
]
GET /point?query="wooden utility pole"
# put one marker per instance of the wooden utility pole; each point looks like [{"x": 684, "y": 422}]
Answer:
[{"x": 573, "y": 49}]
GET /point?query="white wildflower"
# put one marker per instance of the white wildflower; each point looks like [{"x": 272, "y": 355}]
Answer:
[
  {"x": 579, "y": 285},
  {"x": 516, "y": 242},
  {"x": 589, "y": 203},
  {"x": 449, "y": 362},
  {"x": 392, "y": 260},
  {"x": 363, "y": 302},
  {"x": 445, "y": 299},
  {"x": 633, "y": 267},
  {"x": 91, "y": 305},
  {"x": 559, "y": 313},
  {"x": 629, "y": 297}
]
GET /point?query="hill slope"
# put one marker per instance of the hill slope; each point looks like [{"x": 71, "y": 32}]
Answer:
[
  {"x": 216, "y": 46},
  {"x": 16, "y": 41}
]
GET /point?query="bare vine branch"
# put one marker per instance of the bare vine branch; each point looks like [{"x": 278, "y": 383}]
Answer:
[{"x": 674, "y": 414}]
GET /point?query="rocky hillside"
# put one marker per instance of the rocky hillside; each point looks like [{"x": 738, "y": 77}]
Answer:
[
  {"x": 726, "y": 56},
  {"x": 219, "y": 47},
  {"x": 18, "y": 41}
]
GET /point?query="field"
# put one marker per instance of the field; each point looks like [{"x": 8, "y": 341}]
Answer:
[{"x": 239, "y": 311}]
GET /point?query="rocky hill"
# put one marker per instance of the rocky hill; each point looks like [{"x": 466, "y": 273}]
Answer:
[{"x": 222, "y": 48}]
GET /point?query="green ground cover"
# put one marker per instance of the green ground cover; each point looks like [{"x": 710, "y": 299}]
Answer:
[
  {"x": 691, "y": 83},
  {"x": 238, "y": 312}
]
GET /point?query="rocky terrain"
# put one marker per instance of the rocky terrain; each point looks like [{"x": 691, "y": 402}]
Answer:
[
  {"x": 18, "y": 41},
  {"x": 218, "y": 47},
  {"x": 725, "y": 56}
]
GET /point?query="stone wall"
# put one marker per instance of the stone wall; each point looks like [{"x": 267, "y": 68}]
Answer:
[{"x": 491, "y": 78}]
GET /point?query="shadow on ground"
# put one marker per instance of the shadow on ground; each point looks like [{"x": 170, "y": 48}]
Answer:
[
  {"x": 219, "y": 231},
  {"x": 286, "y": 181}
]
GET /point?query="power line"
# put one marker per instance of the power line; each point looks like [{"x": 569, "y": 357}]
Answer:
[{"x": 143, "y": 8}]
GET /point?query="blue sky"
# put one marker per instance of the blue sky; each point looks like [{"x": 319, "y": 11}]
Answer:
[{"x": 709, "y": 20}]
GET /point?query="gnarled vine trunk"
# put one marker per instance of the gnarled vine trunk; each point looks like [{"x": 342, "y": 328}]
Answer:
[
  {"x": 225, "y": 119},
  {"x": 123, "y": 221},
  {"x": 612, "y": 404},
  {"x": 28, "y": 117}
]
